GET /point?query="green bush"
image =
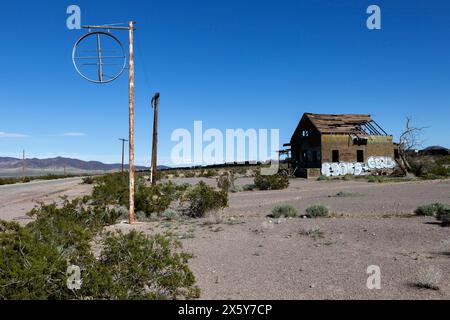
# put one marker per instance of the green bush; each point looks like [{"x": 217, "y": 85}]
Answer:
[
  {"x": 174, "y": 191},
  {"x": 150, "y": 200},
  {"x": 249, "y": 187},
  {"x": 4, "y": 181},
  {"x": 323, "y": 178},
  {"x": 226, "y": 181},
  {"x": 445, "y": 160},
  {"x": 146, "y": 267},
  {"x": 439, "y": 171},
  {"x": 284, "y": 210},
  {"x": 428, "y": 209},
  {"x": 113, "y": 189},
  {"x": 34, "y": 258},
  {"x": 170, "y": 214},
  {"x": 203, "y": 199},
  {"x": 88, "y": 180},
  {"x": 189, "y": 174},
  {"x": 273, "y": 182},
  {"x": 30, "y": 268},
  {"x": 317, "y": 210},
  {"x": 443, "y": 215}
]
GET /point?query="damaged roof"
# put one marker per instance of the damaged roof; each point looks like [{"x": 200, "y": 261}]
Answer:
[{"x": 339, "y": 123}]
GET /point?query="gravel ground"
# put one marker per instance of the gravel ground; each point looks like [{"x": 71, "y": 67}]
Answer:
[
  {"x": 244, "y": 254},
  {"x": 248, "y": 255}
]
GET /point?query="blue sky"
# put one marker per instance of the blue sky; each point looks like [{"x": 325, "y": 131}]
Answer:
[{"x": 232, "y": 64}]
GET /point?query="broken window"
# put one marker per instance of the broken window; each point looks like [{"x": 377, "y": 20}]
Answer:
[
  {"x": 360, "y": 156},
  {"x": 335, "y": 155}
]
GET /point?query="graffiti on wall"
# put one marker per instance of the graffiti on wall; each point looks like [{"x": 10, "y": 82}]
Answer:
[{"x": 356, "y": 168}]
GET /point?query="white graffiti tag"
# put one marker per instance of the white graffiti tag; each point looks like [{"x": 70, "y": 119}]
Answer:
[{"x": 356, "y": 169}]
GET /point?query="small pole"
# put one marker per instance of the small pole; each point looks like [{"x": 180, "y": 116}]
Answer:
[
  {"x": 24, "y": 165},
  {"x": 131, "y": 119},
  {"x": 155, "y": 103},
  {"x": 123, "y": 153}
]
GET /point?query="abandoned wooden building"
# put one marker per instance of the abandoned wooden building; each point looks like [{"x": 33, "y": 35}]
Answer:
[{"x": 340, "y": 144}]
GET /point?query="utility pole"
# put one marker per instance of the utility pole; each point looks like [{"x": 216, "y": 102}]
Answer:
[
  {"x": 155, "y": 103},
  {"x": 131, "y": 100},
  {"x": 101, "y": 79},
  {"x": 123, "y": 153},
  {"x": 24, "y": 165}
]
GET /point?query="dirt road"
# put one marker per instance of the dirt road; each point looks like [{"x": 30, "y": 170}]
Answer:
[{"x": 17, "y": 199}]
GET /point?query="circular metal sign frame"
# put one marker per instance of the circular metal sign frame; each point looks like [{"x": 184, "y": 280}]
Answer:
[{"x": 98, "y": 33}]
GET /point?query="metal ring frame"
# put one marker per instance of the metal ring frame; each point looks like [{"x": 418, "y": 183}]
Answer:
[{"x": 108, "y": 35}]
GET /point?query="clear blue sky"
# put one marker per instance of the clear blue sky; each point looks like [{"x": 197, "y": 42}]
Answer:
[{"x": 231, "y": 64}]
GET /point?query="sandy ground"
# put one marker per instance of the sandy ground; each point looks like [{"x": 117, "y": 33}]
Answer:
[
  {"x": 244, "y": 254},
  {"x": 18, "y": 199},
  {"x": 248, "y": 255}
]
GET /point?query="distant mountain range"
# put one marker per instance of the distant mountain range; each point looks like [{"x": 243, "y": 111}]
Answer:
[{"x": 11, "y": 166}]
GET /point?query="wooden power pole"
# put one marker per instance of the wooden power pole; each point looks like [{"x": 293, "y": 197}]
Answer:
[
  {"x": 155, "y": 103},
  {"x": 24, "y": 165},
  {"x": 123, "y": 153},
  {"x": 131, "y": 118}
]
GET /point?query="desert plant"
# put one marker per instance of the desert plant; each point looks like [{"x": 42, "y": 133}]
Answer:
[
  {"x": 203, "y": 199},
  {"x": 174, "y": 191},
  {"x": 440, "y": 171},
  {"x": 284, "y": 210},
  {"x": 428, "y": 209},
  {"x": 428, "y": 278},
  {"x": 443, "y": 215},
  {"x": 323, "y": 178},
  {"x": 226, "y": 181},
  {"x": 170, "y": 214},
  {"x": 271, "y": 182},
  {"x": 88, "y": 180},
  {"x": 317, "y": 210},
  {"x": 151, "y": 200},
  {"x": 248, "y": 187},
  {"x": 146, "y": 267}
]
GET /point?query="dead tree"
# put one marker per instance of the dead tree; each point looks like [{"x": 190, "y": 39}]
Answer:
[{"x": 410, "y": 139}]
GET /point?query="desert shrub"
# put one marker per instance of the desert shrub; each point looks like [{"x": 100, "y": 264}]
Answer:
[
  {"x": 284, "y": 210},
  {"x": 323, "y": 178},
  {"x": 443, "y": 215},
  {"x": 111, "y": 189},
  {"x": 445, "y": 160},
  {"x": 440, "y": 171},
  {"x": 226, "y": 181},
  {"x": 428, "y": 278},
  {"x": 189, "y": 174},
  {"x": 240, "y": 170},
  {"x": 248, "y": 187},
  {"x": 209, "y": 173},
  {"x": 428, "y": 209},
  {"x": 170, "y": 214},
  {"x": 28, "y": 264},
  {"x": 236, "y": 189},
  {"x": 4, "y": 181},
  {"x": 273, "y": 182},
  {"x": 131, "y": 266},
  {"x": 88, "y": 180},
  {"x": 203, "y": 199},
  {"x": 174, "y": 191},
  {"x": 317, "y": 210},
  {"x": 146, "y": 267},
  {"x": 150, "y": 199}
]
